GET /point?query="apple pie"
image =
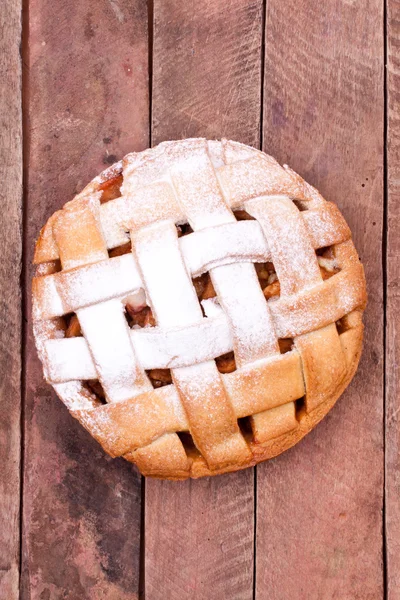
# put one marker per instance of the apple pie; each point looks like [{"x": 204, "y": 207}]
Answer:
[{"x": 198, "y": 307}]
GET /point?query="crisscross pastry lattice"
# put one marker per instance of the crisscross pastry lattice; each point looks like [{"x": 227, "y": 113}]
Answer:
[{"x": 295, "y": 335}]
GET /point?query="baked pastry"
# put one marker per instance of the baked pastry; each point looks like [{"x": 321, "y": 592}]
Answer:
[{"x": 198, "y": 307}]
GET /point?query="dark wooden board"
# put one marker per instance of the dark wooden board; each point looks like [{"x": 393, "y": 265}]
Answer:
[
  {"x": 10, "y": 314},
  {"x": 392, "y": 499},
  {"x": 206, "y": 82},
  {"x": 87, "y": 105},
  {"x": 319, "y": 506}
]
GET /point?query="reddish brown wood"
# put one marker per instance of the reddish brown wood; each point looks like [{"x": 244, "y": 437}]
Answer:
[
  {"x": 10, "y": 315},
  {"x": 206, "y": 82},
  {"x": 87, "y": 106},
  {"x": 393, "y": 305},
  {"x": 319, "y": 506},
  {"x": 199, "y": 538},
  {"x": 207, "y": 70}
]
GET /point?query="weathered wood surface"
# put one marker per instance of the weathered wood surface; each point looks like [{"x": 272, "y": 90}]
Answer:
[
  {"x": 87, "y": 72},
  {"x": 319, "y": 506},
  {"x": 393, "y": 305},
  {"x": 207, "y": 70},
  {"x": 10, "y": 314},
  {"x": 206, "y": 82}
]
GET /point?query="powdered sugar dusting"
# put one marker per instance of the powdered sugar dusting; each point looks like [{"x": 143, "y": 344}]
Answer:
[
  {"x": 256, "y": 176},
  {"x": 155, "y": 348},
  {"x": 293, "y": 256},
  {"x": 168, "y": 285},
  {"x": 113, "y": 355},
  {"x": 174, "y": 302},
  {"x": 195, "y": 178},
  {"x": 244, "y": 303},
  {"x": 213, "y": 423},
  {"x": 236, "y": 285},
  {"x": 302, "y": 313},
  {"x": 69, "y": 359},
  {"x": 60, "y": 293},
  {"x": 175, "y": 182},
  {"x": 180, "y": 347},
  {"x": 74, "y": 396},
  {"x": 224, "y": 244}
]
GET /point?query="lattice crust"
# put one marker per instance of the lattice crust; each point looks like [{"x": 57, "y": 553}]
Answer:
[{"x": 205, "y": 421}]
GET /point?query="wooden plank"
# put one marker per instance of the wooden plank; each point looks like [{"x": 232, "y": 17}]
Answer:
[
  {"x": 392, "y": 445},
  {"x": 319, "y": 526},
  {"x": 199, "y": 538},
  {"x": 207, "y": 70},
  {"x": 87, "y": 107},
  {"x": 206, "y": 82},
  {"x": 10, "y": 314}
]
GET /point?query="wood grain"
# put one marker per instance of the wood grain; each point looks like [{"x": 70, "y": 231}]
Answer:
[
  {"x": 319, "y": 506},
  {"x": 10, "y": 315},
  {"x": 87, "y": 106},
  {"x": 393, "y": 305},
  {"x": 199, "y": 538},
  {"x": 206, "y": 82},
  {"x": 207, "y": 70}
]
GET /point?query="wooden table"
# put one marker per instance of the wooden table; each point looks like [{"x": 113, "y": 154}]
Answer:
[{"x": 305, "y": 81}]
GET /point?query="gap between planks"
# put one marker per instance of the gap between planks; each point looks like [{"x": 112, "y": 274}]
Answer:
[{"x": 384, "y": 282}]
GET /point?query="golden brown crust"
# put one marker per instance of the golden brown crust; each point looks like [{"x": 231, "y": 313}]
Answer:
[
  {"x": 123, "y": 417},
  {"x": 150, "y": 428}
]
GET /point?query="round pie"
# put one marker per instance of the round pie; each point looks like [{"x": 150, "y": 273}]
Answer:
[{"x": 198, "y": 307}]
